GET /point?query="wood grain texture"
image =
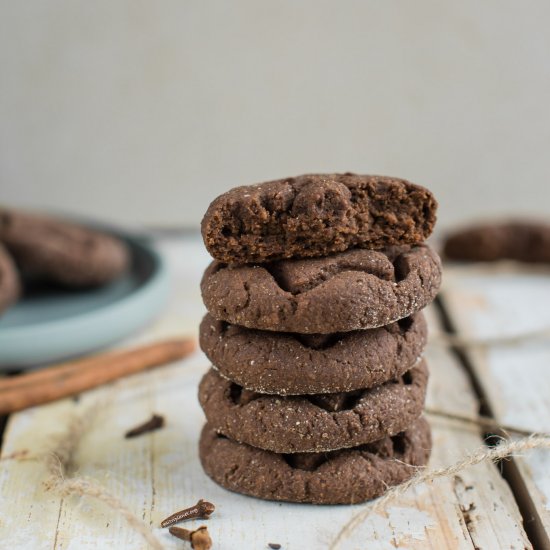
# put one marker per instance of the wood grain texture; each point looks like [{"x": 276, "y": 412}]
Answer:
[
  {"x": 159, "y": 473},
  {"x": 509, "y": 301}
]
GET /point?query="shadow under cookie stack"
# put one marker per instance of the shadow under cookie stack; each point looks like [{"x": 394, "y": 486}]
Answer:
[{"x": 316, "y": 337}]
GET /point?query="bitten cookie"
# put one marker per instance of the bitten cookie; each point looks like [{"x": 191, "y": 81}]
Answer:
[
  {"x": 315, "y": 215},
  {"x": 353, "y": 290},
  {"x": 295, "y": 364},
  {"x": 523, "y": 241},
  {"x": 341, "y": 477},
  {"x": 61, "y": 252},
  {"x": 313, "y": 423},
  {"x": 9, "y": 280}
]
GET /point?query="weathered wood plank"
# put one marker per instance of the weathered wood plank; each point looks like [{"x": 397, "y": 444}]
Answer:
[
  {"x": 509, "y": 301},
  {"x": 159, "y": 473},
  {"x": 480, "y": 498}
]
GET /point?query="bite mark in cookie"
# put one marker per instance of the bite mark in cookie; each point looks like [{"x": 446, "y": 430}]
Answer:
[{"x": 315, "y": 215}]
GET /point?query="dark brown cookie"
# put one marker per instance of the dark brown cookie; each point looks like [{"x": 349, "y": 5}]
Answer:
[
  {"x": 315, "y": 215},
  {"x": 295, "y": 364},
  {"x": 61, "y": 252},
  {"x": 340, "y": 477},
  {"x": 523, "y": 241},
  {"x": 313, "y": 423},
  {"x": 9, "y": 280},
  {"x": 353, "y": 290}
]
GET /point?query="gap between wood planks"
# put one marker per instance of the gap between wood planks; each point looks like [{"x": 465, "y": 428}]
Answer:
[
  {"x": 3, "y": 422},
  {"x": 509, "y": 470}
]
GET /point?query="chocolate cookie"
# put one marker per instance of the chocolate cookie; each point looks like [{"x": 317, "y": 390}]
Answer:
[
  {"x": 313, "y": 423},
  {"x": 9, "y": 280},
  {"x": 523, "y": 241},
  {"x": 353, "y": 290},
  {"x": 315, "y": 215},
  {"x": 294, "y": 364},
  {"x": 340, "y": 477},
  {"x": 60, "y": 251}
]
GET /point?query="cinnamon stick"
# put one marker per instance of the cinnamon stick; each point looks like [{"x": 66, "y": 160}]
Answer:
[{"x": 70, "y": 378}]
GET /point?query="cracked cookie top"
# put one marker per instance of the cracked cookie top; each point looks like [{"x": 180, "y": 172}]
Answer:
[
  {"x": 313, "y": 423},
  {"x": 346, "y": 476},
  {"x": 353, "y": 290},
  {"x": 294, "y": 364},
  {"x": 315, "y": 215}
]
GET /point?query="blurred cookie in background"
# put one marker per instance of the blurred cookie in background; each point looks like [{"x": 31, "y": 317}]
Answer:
[
  {"x": 10, "y": 287},
  {"x": 61, "y": 252},
  {"x": 519, "y": 240}
]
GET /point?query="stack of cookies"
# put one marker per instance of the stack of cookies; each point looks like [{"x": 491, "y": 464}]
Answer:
[{"x": 315, "y": 333}]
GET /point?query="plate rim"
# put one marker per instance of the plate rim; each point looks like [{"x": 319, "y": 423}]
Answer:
[
  {"x": 150, "y": 297},
  {"x": 159, "y": 268}
]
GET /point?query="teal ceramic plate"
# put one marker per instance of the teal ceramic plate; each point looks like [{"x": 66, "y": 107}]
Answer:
[{"x": 53, "y": 324}]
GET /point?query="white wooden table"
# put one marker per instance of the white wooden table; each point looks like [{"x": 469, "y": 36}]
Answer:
[{"x": 159, "y": 473}]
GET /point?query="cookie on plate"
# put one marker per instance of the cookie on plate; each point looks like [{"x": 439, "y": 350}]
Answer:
[
  {"x": 295, "y": 364},
  {"x": 10, "y": 287},
  {"x": 523, "y": 241},
  {"x": 61, "y": 252},
  {"x": 316, "y": 215},
  {"x": 346, "y": 476},
  {"x": 353, "y": 290},
  {"x": 313, "y": 423}
]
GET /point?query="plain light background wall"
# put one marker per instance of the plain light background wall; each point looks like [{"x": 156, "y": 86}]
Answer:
[{"x": 142, "y": 112}]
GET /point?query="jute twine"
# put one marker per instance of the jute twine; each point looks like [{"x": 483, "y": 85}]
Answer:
[
  {"x": 490, "y": 424},
  {"x": 59, "y": 463},
  {"x": 455, "y": 340},
  {"x": 483, "y": 454},
  {"x": 59, "y": 460}
]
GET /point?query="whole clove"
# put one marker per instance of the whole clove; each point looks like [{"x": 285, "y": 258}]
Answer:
[
  {"x": 199, "y": 538},
  {"x": 202, "y": 510},
  {"x": 155, "y": 423}
]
